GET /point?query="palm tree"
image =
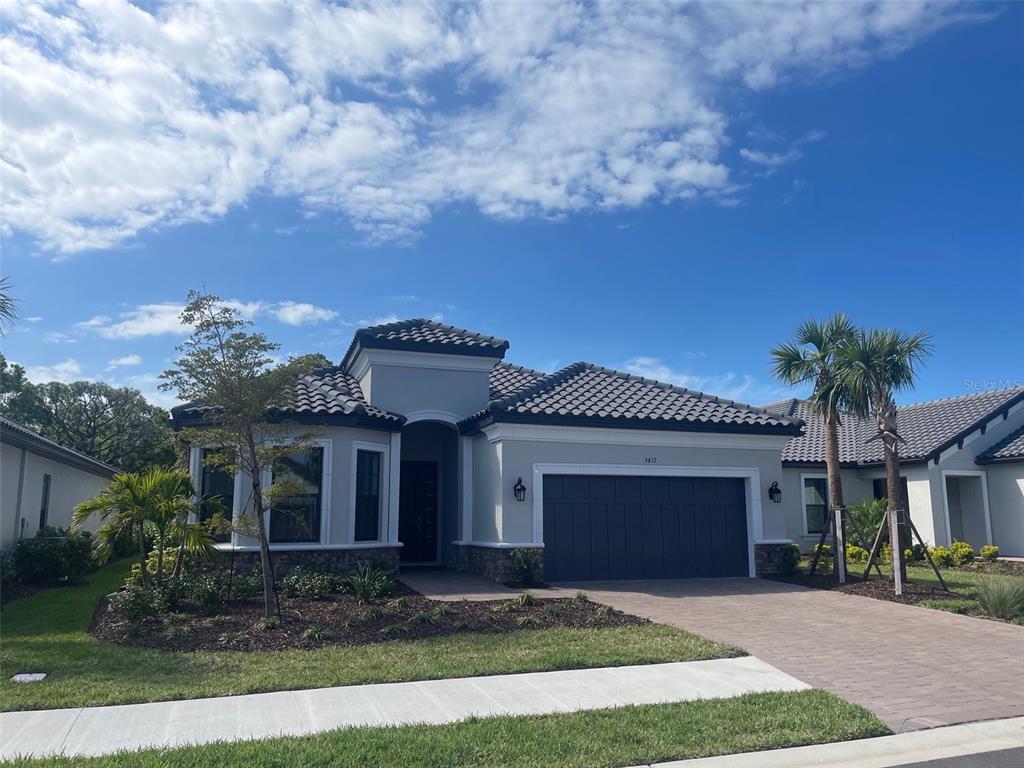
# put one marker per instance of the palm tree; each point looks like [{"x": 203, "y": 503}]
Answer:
[
  {"x": 124, "y": 506},
  {"x": 8, "y": 305},
  {"x": 161, "y": 497},
  {"x": 812, "y": 357},
  {"x": 873, "y": 366}
]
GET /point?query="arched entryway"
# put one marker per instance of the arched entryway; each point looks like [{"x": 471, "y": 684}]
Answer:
[{"x": 428, "y": 493}]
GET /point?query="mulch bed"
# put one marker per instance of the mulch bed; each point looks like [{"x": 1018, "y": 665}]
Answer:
[
  {"x": 405, "y": 615},
  {"x": 998, "y": 567}
]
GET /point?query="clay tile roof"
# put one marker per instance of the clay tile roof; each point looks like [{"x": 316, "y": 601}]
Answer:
[
  {"x": 507, "y": 379},
  {"x": 927, "y": 428},
  {"x": 1010, "y": 448},
  {"x": 422, "y": 335},
  {"x": 588, "y": 395}
]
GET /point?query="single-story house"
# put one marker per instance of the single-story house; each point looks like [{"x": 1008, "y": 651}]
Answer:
[
  {"x": 41, "y": 481},
  {"x": 431, "y": 449},
  {"x": 962, "y": 468}
]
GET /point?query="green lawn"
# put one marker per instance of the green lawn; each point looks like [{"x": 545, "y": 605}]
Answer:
[
  {"x": 606, "y": 737},
  {"x": 963, "y": 582},
  {"x": 47, "y": 632}
]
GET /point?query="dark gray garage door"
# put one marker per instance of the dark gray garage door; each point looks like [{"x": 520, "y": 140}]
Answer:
[{"x": 611, "y": 527}]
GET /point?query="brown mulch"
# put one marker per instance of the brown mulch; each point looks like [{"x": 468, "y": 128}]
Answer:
[
  {"x": 405, "y": 615},
  {"x": 998, "y": 567}
]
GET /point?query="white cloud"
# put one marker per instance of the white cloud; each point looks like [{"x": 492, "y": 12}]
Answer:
[
  {"x": 727, "y": 385},
  {"x": 770, "y": 161},
  {"x": 33, "y": 319},
  {"x": 155, "y": 320},
  {"x": 65, "y": 372},
  {"x": 120, "y": 119},
  {"x": 382, "y": 320},
  {"x": 120, "y": 362},
  {"x": 294, "y": 313}
]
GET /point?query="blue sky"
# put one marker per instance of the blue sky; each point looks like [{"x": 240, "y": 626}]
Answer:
[{"x": 676, "y": 221}]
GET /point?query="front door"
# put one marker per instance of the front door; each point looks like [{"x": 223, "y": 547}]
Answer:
[{"x": 417, "y": 512}]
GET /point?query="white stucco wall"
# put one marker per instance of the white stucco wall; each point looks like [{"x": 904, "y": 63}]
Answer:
[
  {"x": 68, "y": 486},
  {"x": 1006, "y": 506}
]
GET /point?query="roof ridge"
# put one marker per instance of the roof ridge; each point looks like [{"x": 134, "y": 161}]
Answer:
[{"x": 435, "y": 324}]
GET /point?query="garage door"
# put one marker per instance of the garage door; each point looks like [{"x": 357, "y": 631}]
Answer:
[{"x": 615, "y": 527}]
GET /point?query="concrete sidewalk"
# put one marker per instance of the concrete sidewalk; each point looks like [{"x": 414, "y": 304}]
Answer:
[
  {"x": 101, "y": 730},
  {"x": 883, "y": 752}
]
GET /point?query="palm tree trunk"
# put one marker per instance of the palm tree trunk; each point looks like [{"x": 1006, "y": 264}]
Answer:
[
  {"x": 835, "y": 486},
  {"x": 143, "y": 573},
  {"x": 160, "y": 558},
  {"x": 893, "y": 487}
]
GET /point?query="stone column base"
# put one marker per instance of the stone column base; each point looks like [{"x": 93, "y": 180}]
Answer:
[
  {"x": 495, "y": 563},
  {"x": 770, "y": 557}
]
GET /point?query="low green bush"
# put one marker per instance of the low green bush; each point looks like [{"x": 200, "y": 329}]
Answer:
[
  {"x": 208, "y": 591},
  {"x": 246, "y": 586},
  {"x": 136, "y": 604},
  {"x": 855, "y": 554},
  {"x": 305, "y": 582},
  {"x": 941, "y": 556},
  {"x": 152, "y": 564},
  {"x": 962, "y": 552},
  {"x": 824, "y": 552},
  {"x": 990, "y": 552},
  {"x": 789, "y": 559},
  {"x": 1002, "y": 598},
  {"x": 53, "y": 554},
  {"x": 915, "y": 554},
  {"x": 524, "y": 566},
  {"x": 368, "y": 582}
]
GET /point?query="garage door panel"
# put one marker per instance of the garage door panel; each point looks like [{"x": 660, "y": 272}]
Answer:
[{"x": 627, "y": 527}]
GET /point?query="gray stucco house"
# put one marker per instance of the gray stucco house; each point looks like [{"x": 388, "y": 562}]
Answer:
[
  {"x": 432, "y": 449},
  {"x": 962, "y": 468}
]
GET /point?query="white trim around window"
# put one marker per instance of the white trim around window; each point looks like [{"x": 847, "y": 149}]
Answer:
[
  {"x": 383, "y": 502},
  {"x": 752, "y": 486},
  {"x": 979, "y": 473},
  {"x": 803, "y": 500}
]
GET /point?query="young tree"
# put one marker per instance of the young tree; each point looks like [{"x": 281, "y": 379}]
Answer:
[
  {"x": 873, "y": 366},
  {"x": 812, "y": 357},
  {"x": 229, "y": 371}
]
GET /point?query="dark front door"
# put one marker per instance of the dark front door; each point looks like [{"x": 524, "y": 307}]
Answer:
[
  {"x": 617, "y": 527},
  {"x": 417, "y": 512}
]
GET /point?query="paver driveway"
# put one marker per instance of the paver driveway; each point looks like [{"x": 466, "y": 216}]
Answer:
[{"x": 913, "y": 667}]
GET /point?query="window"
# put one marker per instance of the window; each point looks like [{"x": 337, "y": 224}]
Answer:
[
  {"x": 296, "y": 519},
  {"x": 815, "y": 504},
  {"x": 44, "y": 504},
  {"x": 367, "y": 523},
  {"x": 217, "y": 484},
  {"x": 878, "y": 487}
]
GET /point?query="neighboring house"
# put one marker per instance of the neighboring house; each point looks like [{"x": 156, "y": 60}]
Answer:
[
  {"x": 962, "y": 465},
  {"x": 431, "y": 449},
  {"x": 41, "y": 481}
]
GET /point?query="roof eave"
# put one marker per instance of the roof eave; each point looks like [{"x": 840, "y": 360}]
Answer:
[
  {"x": 18, "y": 439},
  {"x": 475, "y": 424}
]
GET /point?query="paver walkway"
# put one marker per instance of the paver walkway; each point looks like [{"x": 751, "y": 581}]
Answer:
[
  {"x": 913, "y": 667},
  {"x": 101, "y": 730}
]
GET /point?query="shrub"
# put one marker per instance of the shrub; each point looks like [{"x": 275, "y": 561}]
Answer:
[
  {"x": 246, "y": 586},
  {"x": 266, "y": 624},
  {"x": 581, "y": 597},
  {"x": 941, "y": 556},
  {"x": 1002, "y": 598},
  {"x": 855, "y": 554},
  {"x": 524, "y": 566},
  {"x": 424, "y": 617},
  {"x": 915, "y": 553},
  {"x": 152, "y": 563},
  {"x": 208, "y": 591},
  {"x": 8, "y": 571},
  {"x": 444, "y": 609},
  {"x": 885, "y": 553},
  {"x": 136, "y": 604},
  {"x": 315, "y": 633},
  {"x": 398, "y": 604},
  {"x": 509, "y": 606},
  {"x": 54, "y": 554},
  {"x": 552, "y": 612},
  {"x": 527, "y": 599},
  {"x": 368, "y": 582},
  {"x": 789, "y": 559},
  {"x": 305, "y": 582},
  {"x": 868, "y": 516},
  {"x": 825, "y": 558},
  {"x": 527, "y": 622},
  {"x": 395, "y": 630},
  {"x": 962, "y": 552},
  {"x": 990, "y": 552}
]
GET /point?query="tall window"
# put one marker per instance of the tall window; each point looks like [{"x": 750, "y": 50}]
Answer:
[
  {"x": 296, "y": 519},
  {"x": 815, "y": 503},
  {"x": 216, "y": 484},
  {"x": 44, "y": 504},
  {"x": 367, "y": 495}
]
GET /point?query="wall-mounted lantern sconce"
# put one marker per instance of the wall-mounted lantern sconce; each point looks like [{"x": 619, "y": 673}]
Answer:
[
  {"x": 519, "y": 490},
  {"x": 774, "y": 492}
]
